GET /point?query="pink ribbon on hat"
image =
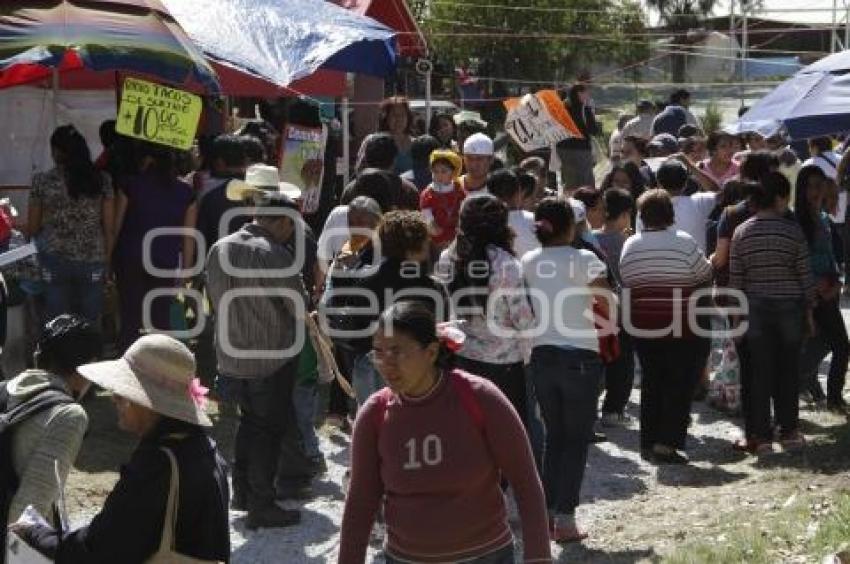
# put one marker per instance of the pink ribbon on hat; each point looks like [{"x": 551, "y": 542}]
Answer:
[
  {"x": 450, "y": 335},
  {"x": 198, "y": 393}
]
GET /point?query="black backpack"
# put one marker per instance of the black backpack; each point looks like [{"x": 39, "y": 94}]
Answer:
[{"x": 46, "y": 399}]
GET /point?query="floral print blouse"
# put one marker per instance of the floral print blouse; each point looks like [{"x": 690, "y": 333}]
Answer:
[
  {"x": 510, "y": 311},
  {"x": 72, "y": 229}
]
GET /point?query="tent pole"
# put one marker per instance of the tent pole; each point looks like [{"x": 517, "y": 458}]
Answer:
[
  {"x": 54, "y": 86},
  {"x": 346, "y": 143},
  {"x": 846, "y": 25}
]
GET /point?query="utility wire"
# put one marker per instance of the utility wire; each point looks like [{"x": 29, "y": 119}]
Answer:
[{"x": 544, "y": 9}]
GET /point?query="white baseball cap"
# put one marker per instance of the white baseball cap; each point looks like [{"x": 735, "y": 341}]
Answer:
[
  {"x": 579, "y": 210},
  {"x": 261, "y": 178},
  {"x": 478, "y": 144}
]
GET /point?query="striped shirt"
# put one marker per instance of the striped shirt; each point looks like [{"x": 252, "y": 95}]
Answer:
[
  {"x": 769, "y": 258},
  {"x": 663, "y": 258},
  {"x": 259, "y": 285},
  {"x": 660, "y": 271}
]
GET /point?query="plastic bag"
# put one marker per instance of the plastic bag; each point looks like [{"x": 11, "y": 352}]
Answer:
[{"x": 725, "y": 390}]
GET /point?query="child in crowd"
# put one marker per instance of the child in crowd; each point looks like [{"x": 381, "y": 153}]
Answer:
[{"x": 440, "y": 202}]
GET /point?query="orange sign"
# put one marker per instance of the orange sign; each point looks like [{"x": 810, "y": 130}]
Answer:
[{"x": 539, "y": 120}]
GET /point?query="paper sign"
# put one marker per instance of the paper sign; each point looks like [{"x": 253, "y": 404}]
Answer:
[
  {"x": 302, "y": 162},
  {"x": 158, "y": 114},
  {"x": 13, "y": 256},
  {"x": 539, "y": 120}
]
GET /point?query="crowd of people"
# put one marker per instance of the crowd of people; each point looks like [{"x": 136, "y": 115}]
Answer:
[{"x": 469, "y": 317}]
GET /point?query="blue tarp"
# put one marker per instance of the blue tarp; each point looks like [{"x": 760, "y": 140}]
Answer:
[
  {"x": 285, "y": 40},
  {"x": 770, "y": 67},
  {"x": 812, "y": 103}
]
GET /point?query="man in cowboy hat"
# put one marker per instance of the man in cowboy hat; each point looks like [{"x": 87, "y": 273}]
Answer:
[
  {"x": 255, "y": 285},
  {"x": 296, "y": 469}
]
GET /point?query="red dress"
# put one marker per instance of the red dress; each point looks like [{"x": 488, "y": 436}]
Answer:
[{"x": 445, "y": 207}]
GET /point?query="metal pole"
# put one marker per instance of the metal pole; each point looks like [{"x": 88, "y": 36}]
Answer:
[
  {"x": 54, "y": 85},
  {"x": 427, "y": 101},
  {"x": 744, "y": 48},
  {"x": 846, "y": 25},
  {"x": 346, "y": 143},
  {"x": 834, "y": 34}
]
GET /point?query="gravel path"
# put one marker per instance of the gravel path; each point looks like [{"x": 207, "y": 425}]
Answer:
[
  {"x": 634, "y": 511},
  {"x": 624, "y": 498}
]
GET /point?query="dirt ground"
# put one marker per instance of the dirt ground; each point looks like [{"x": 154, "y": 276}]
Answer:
[{"x": 633, "y": 510}]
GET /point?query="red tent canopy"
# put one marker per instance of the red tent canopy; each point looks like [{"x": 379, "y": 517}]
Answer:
[
  {"x": 395, "y": 14},
  {"x": 233, "y": 82}
]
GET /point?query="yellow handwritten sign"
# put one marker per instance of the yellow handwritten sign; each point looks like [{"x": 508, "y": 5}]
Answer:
[{"x": 158, "y": 114}]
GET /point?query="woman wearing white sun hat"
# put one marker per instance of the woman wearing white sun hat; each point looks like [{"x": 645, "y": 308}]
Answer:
[{"x": 172, "y": 496}]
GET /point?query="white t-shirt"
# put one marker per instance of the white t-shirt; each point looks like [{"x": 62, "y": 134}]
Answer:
[
  {"x": 829, "y": 166},
  {"x": 640, "y": 126},
  {"x": 691, "y": 214},
  {"x": 522, "y": 222},
  {"x": 334, "y": 234},
  {"x": 554, "y": 274}
]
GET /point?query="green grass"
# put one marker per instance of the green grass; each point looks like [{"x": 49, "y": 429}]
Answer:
[
  {"x": 769, "y": 538},
  {"x": 834, "y": 533}
]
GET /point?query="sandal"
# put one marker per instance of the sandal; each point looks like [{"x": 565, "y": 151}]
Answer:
[
  {"x": 753, "y": 446},
  {"x": 793, "y": 441},
  {"x": 563, "y": 530}
]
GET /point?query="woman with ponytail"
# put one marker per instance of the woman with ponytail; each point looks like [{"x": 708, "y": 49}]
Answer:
[
  {"x": 71, "y": 218},
  {"x": 565, "y": 363},
  {"x": 431, "y": 449},
  {"x": 485, "y": 284}
]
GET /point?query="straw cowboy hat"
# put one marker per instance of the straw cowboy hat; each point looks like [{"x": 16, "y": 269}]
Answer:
[
  {"x": 157, "y": 372},
  {"x": 261, "y": 179}
]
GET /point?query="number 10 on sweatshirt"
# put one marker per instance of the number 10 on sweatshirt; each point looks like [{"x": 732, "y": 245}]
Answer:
[{"x": 428, "y": 452}]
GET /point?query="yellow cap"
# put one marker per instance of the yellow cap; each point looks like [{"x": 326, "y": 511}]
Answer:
[{"x": 447, "y": 155}]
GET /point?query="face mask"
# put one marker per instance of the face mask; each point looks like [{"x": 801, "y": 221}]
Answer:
[{"x": 439, "y": 187}]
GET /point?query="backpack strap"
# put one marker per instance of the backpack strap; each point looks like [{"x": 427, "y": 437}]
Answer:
[
  {"x": 383, "y": 398},
  {"x": 169, "y": 524},
  {"x": 468, "y": 400},
  {"x": 461, "y": 386},
  {"x": 51, "y": 396}
]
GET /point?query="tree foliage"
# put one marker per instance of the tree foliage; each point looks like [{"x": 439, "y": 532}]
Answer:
[
  {"x": 682, "y": 14},
  {"x": 604, "y": 26},
  {"x": 686, "y": 14}
]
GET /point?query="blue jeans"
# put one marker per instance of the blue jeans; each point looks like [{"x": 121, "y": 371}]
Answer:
[
  {"x": 72, "y": 287},
  {"x": 304, "y": 401},
  {"x": 264, "y": 415},
  {"x": 567, "y": 385},
  {"x": 365, "y": 379},
  {"x": 774, "y": 338},
  {"x": 536, "y": 433}
]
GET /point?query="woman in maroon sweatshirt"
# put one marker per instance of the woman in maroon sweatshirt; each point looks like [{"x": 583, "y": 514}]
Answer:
[{"x": 432, "y": 449}]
